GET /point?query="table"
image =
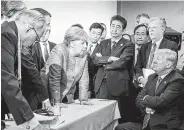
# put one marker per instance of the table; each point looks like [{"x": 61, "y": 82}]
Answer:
[{"x": 103, "y": 115}]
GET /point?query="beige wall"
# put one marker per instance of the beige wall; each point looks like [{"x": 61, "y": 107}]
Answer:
[
  {"x": 172, "y": 11},
  {"x": 66, "y": 13}
]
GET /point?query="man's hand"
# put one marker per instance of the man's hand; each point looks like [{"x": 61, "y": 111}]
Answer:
[
  {"x": 42, "y": 127},
  {"x": 98, "y": 54},
  {"x": 112, "y": 58},
  {"x": 150, "y": 110},
  {"x": 143, "y": 81},
  {"x": 46, "y": 105}
]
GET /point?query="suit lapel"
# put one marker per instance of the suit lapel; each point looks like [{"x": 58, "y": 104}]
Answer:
[
  {"x": 94, "y": 51},
  {"x": 163, "y": 83}
]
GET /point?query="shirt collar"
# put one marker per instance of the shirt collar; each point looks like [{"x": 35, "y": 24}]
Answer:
[
  {"x": 116, "y": 40},
  {"x": 42, "y": 43},
  {"x": 163, "y": 76},
  {"x": 158, "y": 42}
]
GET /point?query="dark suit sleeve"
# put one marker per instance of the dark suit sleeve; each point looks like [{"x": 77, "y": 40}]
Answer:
[
  {"x": 10, "y": 89},
  {"x": 170, "y": 94},
  {"x": 33, "y": 75},
  {"x": 125, "y": 57},
  {"x": 99, "y": 61},
  {"x": 139, "y": 63},
  {"x": 139, "y": 99}
]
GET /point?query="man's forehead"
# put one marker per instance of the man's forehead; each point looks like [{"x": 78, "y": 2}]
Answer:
[{"x": 141, "y": 29}]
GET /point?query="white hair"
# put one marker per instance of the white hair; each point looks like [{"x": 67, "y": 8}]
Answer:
[
  {"x": 162, "y": 21},
  {"x": 168, "y": 54},
  {"x": 32, "y": 17}
]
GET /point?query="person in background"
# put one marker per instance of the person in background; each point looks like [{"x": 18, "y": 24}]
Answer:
[
  {"x": 11, "y": 9},
  {"x": 95, "y": 32},
  {"x": 115, "y": 60},
  {"x": 14, "y": 35},
  {"x": 77, "y": 25},
  {"x": 41, "y": 50},
  {"x": 104, "y": 33},
  {"x": 156, "y": 28},
  {"x": 140, "y": 19},
  {"x": 180, "y": 63},
  {"x": 127, "y": 36},
  {"x": 67, "y": 65}
]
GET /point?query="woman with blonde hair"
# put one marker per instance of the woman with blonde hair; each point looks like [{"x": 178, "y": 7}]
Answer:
[{"x": 66, "y": 65}]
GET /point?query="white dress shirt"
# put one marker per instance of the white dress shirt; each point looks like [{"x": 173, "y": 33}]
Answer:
[{"x": 42, "y": 48}]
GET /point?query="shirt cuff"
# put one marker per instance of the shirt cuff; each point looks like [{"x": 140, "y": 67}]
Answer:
[
  {"x": 31, "y": 124},
  {"x": 47, "y": 100}
]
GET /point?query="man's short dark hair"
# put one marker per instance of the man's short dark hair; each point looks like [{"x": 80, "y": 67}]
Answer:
[
  {"x": 96, "y": 25},
  {"x": 121, "y": 19},
  {"x": 42, "y": 11},
  {"x": 142, "y": 15},
  {"x": 141, "y": 25},
  {"x": 77, "y": 25},
  {"x": 103, "y": 24}
]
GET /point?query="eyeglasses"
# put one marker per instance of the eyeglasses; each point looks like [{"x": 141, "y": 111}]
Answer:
[{"x": 37, "y": 37}]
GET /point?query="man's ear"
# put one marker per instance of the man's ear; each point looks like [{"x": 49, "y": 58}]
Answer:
[{"x": 169, "y": 64}]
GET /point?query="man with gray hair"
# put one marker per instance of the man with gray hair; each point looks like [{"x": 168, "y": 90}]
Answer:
[
  {"x": 11, "y": 9},
  {"x": 22, "y": 32},
  {"x": 156, "y": 28},
  {"x": 162, "y": 92}
]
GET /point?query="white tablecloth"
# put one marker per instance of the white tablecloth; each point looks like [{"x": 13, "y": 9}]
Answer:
[{"x": 103, "y": 115}]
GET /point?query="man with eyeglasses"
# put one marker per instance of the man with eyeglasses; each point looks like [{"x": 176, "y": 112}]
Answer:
[
  {"x": 16, "y": 35},
  {"x": 156, "y": 28}
]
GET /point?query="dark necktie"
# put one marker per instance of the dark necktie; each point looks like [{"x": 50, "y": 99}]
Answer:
[
  {"x": 151, "y": 55},
  {"x": 113, "y": 46},
  {"x": 46, "y": 53}
]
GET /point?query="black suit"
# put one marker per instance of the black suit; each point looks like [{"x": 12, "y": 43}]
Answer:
[
  {"x": 163, "y": 101},
  {"x": 92, "y": 69},
  {"x": 32, "y": 86},
  {"x": 37, "y": 54},
  {"x": 10, "y": 89},
  {"x": 144, "y": 53},
  {"x": 118, "y": 71},
  {"x": 112, "y": 79}
]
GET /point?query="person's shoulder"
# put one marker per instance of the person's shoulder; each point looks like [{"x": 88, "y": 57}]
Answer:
[
  {"x": 170, "y": 42},
  {"x": 52, "y": 43},
  {"x": 176, "y": 76},
  {"x": 104, "y": 42}
]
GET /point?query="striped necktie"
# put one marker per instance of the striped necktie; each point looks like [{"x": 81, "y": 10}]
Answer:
[
  {"x": 151, "y": 55},
  {"x": 113, "y": 46}
]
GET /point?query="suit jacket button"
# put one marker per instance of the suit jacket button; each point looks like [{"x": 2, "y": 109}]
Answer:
[{"x": 27, "y": 127}]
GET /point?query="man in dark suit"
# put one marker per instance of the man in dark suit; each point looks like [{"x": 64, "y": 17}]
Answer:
[
  {"x": 156, "y": 29},
  {"x": 162, "y": 92},
  {"x": 114, "y": 58},
  {"x": 41, "y": 51},
  {"x": 95, "y": 32},
  {"x": 13, "y": 35}
]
